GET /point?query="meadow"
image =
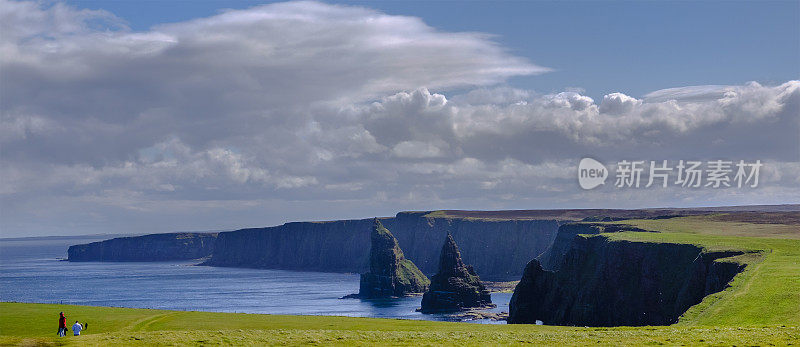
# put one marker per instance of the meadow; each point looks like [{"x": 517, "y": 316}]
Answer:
[{"x": 35, "y": 324}]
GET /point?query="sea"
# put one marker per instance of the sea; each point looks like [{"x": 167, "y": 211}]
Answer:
[{"x": 33, "y": 270}]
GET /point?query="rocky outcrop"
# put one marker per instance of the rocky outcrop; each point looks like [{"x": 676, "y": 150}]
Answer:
[
  {"x": 456, "y": 286},
  {"x": 390, "y": 273},
  {"x": 614, "y": 283},
  {"x": 499, "y": 249},
  {"x": 498, "y": 243},
  {"x": 551, "y": 258},
  {"x": 154, "y": 247}
]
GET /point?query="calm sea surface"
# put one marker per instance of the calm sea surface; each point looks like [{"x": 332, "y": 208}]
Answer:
[{"x": 30, "y": 271}]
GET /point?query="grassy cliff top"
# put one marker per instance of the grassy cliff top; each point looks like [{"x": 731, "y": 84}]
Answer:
[
  {"x": 767, "y": 292},
  {"x": 616, "y": 214}
]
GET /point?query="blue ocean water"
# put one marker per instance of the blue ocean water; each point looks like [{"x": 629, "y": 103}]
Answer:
[{"x": 30, "y": 271}]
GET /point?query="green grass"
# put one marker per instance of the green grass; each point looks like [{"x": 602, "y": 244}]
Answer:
[
  {"x": 761, "y": 307},
  {"x": 33, "y": 324}
]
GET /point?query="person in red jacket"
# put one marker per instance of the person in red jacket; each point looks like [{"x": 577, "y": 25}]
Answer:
[{"x": 62, "y": 324}]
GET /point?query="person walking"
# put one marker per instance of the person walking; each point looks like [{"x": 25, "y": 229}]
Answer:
[
  {"x": 62, "y": 324},
  {"x": 76, "y": 328}
]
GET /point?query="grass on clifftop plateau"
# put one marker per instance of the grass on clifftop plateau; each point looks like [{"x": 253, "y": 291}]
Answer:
[{"x": 762, "y": 307}]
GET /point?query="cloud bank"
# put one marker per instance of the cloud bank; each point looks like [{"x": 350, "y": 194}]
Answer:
[{"x": 304, "y": 110}]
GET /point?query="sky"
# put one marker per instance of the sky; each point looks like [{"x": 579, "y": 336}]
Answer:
[
  {"x": 599, "y": 46},
  {"x": 139, "y": 117}
]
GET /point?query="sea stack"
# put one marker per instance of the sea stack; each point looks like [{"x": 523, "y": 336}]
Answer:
[
  {"x": 390, "y": 273},
  {"x": 456, "y": 286}
]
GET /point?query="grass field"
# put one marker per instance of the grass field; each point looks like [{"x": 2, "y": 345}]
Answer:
[
  {"x": 761, "y": 307},
  {"x": 34, "y": 324}
]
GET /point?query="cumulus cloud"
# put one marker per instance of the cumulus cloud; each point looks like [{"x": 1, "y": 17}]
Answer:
[
  {"x": 417, "y": 149},
  {"x": 304, "y": 110},
  {"x": 618, "y": 103},
  {"x": 750, "y": 119}
]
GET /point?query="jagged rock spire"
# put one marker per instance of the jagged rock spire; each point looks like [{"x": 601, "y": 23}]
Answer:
[
  {"x": 450, "y": 262},
  {"x": 390, "y": 273},
  {"x": 384, "y": 250},
  {"x": 455, "y": 286}
]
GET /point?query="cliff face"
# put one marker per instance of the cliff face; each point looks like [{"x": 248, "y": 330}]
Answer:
[
  {"x": 499, "y": 250},
  {"x": 390, "y": 273},
  {"x": 455, "y": 286},
  {"x": 155, "y": 247},
  {"x": 551, "y": 258},
  {"x": 337, "y": 246},
  {"x": 615, "y": 283}
]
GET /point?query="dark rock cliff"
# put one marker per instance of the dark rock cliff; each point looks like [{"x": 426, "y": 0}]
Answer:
[
  {"x": 455, "y": 286},
  {"x": 499, "y": 249},
  {"x": 155, "y": 247},
  {"x": 337, "y": 246},
  {"x": 615, "y": 283},
  {"x": 390, "y": 273},
  {"x": 551, "y": 258}
]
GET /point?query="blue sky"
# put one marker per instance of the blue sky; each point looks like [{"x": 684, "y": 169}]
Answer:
[
  {"x": 600, "y": 46},
  {"x": 198, "y": 119}
]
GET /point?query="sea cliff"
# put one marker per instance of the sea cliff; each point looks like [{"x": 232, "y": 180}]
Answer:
[
  {"x": 499, "y": 249},
  {"x": 155, "y": 247},
  {"x": 601, "y": 282},
  {"x": 552, "y": 257}
]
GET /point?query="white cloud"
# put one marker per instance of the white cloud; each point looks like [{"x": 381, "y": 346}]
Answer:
[
  {"x": 304, "y": 110},
  {"x": 618, "y": 103},
  {"x": 417, "y": 149},
  {"x": 19, "y": 127}
]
